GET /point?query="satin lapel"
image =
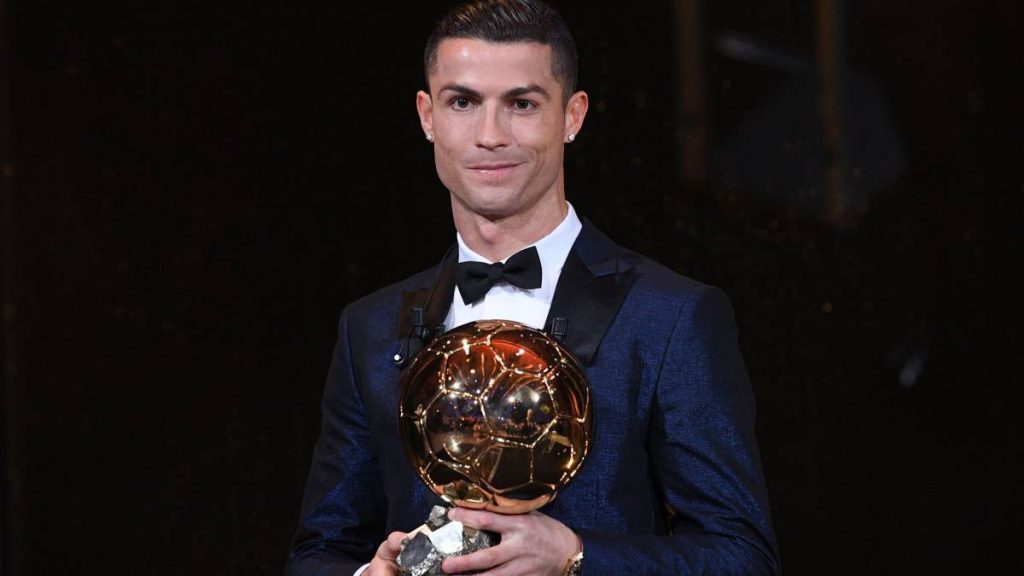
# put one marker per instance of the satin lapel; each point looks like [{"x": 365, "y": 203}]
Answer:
[
  {"x": 435, "y": 305},
  {"x": 591, "y": 288}
]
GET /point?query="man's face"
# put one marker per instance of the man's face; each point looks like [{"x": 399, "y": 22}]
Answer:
[{"x": 495, "y": 113}]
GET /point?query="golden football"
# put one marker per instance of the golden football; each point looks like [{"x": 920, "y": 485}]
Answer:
[{"x": 495, "y": 415}]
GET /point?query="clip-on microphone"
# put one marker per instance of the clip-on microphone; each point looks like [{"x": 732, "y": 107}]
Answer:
[
  {"x": 418, "y": 329},
  {"x": 558, "y": 328},
  {"x": 418, "y": 320}
]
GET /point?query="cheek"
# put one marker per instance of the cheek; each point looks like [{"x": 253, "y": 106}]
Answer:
[
  {"x": 441, "y": 159},
  {"x": 539, "y": 136},
  {"x": 445, "y": 160}
]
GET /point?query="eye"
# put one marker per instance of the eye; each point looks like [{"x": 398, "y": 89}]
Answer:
[
  {"x": 523, "y": 105},
  {"x": 460, "y": 102}
]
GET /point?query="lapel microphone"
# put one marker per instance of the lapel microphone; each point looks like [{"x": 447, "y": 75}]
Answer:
[
  {"x": 418, "y": 329},
  {"x": 418, "y": 323},
  {"x": 418, "y": 320},
  {"x": 558, "y": 327}
]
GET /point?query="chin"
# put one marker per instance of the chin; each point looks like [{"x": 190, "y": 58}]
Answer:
[
  {"x": 493, "y": 211},
  {"x": 493, "y": 204}
]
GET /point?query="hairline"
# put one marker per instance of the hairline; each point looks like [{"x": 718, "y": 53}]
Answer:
[{"x": 567, "y": 91}]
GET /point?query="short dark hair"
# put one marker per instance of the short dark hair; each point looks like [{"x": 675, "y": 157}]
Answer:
[{"x": 510, "y": 21}]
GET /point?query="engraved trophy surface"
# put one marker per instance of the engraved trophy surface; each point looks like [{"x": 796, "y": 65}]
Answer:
[{"x": 494, "y": 415}]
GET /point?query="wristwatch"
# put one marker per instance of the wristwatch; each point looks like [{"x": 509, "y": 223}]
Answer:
[{"x": 574, "y": 567}]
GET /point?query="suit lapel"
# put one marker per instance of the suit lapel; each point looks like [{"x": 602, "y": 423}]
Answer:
[
  {"x": 590, "y": 291},
  {"x": 593, "y": 283},
  {"x": 434, "y": 305}
]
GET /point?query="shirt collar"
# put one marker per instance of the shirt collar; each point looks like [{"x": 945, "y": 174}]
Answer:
[{"x": 553, "y": 249}]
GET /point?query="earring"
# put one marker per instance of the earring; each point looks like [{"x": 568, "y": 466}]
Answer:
[
  {"x": 430, "y": 137},
  {"x": 571, "y": 136}
]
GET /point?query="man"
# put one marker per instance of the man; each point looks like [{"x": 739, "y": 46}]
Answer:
[{"x": 673, "y": 482}]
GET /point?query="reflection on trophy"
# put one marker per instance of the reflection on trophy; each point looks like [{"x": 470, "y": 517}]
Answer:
[{"x": 494, "y": 415}]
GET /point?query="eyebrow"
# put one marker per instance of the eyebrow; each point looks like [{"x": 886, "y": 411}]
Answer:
[{"x": 509, "y": 94}]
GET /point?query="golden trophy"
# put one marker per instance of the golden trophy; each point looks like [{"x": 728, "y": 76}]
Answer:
[{"x": 494, "y": 415}]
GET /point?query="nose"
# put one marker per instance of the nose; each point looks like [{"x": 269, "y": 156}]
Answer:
[{"x": 493, "y": 131}]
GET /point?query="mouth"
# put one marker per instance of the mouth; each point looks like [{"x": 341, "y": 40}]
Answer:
[{"x": 495, "y": 170}]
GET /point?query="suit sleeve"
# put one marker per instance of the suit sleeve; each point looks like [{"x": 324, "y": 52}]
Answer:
[
  {"x": 343, "y": 509},
  {"x": 704, "y": 459}
]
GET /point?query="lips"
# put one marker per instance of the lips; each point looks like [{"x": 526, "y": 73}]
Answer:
[{"x": 493, "y": 169}]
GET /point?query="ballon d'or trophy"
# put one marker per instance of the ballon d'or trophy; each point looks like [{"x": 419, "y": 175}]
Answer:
[{"x": 496, "y": 416}]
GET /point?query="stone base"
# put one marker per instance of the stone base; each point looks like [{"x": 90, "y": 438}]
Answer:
[{"x": 426, "y": 547}]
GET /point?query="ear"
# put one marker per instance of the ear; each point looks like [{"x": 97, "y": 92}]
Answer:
[
  {"x": 575, "y": 112},
  {"x": 425, "y": 108}
]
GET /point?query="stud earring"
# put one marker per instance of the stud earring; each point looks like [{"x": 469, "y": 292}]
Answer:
[
  {"x": 571, "y": 136},
  {"x": 430, "y": 137}
]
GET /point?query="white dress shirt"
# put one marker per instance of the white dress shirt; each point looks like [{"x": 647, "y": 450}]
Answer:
[{"x": 507, "y": 302}]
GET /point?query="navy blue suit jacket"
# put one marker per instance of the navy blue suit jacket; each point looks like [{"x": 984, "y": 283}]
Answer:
[{"x": 673, "y": 483}]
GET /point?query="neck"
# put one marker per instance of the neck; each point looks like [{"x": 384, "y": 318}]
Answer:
[{"x": 497, "y": 238}]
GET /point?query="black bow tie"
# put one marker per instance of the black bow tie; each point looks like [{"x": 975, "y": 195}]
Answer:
[{"x": 474, "y": 279}]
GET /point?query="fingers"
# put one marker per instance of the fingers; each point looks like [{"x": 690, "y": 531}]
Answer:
[
  {"x": 494, "y": 556},
  {"x": 392, "y": 545},
  {"x": 383, "y": 562},
  {"x": 531, "y": 543},
  {"x": 485, "y": 520},
  {"x": 389, "y": 549}
]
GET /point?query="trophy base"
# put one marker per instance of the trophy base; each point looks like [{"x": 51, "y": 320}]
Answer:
[{"x": 426, "y": 547}]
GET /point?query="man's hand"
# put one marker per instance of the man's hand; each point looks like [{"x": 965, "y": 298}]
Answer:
[
  {"x": 531, "y": 544},
  {"x": 383, "y": 563}
]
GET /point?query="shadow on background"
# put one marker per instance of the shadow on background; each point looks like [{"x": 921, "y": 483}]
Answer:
[{"x": 191, "y": 193}]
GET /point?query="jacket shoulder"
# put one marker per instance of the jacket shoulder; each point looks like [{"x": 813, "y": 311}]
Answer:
[
  {"x": 649, "y": 277},
  {"x": 655, "y": 280},
  {"x": 386, "y": 300}
]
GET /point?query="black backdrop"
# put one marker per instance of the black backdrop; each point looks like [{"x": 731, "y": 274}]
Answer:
[{"x": 196, "y": 189}]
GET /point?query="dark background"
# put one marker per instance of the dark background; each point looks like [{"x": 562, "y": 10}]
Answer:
[{"x": 193, "y": 191}]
